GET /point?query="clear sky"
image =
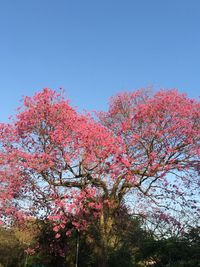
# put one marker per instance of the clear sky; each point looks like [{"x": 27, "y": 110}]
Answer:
[{"x": 96, "y": 48}]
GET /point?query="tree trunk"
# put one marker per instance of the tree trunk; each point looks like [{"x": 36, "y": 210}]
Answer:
[
  {"x": 102, "y": 257},
  {"x": 105, "y": 244}
]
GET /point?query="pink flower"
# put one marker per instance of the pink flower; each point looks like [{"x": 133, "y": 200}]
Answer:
[{"x": 57, "y": 236}]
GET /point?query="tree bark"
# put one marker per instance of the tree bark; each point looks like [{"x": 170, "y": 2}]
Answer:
[{"x": 105, "y": 244}]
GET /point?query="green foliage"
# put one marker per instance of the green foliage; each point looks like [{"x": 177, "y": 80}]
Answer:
[
  {"x": 134, "y": 248},
  {"x": 11, "y": 251},
  {"x": 121, "y": 257},
  {"x": 174, "y": 252}
]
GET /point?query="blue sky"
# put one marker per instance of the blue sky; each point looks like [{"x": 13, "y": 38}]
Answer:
[{"x": 94, "y": 49}]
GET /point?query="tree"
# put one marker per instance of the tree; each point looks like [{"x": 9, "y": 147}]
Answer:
[
  {"x": 58, "y": 163},
  {"x": 16, "y": 242},
  {"x": 174, "y": 251},
  {"x": 11, "y": 253}
]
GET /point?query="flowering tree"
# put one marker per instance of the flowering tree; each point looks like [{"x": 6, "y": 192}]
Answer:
[{"x": 58, "y": 163}]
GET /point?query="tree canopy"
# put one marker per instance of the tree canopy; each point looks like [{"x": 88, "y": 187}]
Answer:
[{"x": 58, "y": 163}]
